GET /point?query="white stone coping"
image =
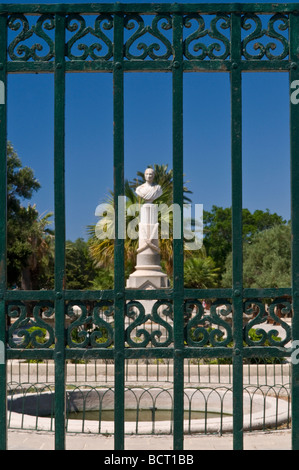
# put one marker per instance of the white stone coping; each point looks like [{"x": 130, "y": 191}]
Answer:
[{"x": 261, "y": 411}]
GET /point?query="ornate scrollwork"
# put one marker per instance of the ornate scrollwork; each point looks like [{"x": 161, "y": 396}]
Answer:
[
  {"x": 76, "y": 23},
  {"x": 148, "y": 50},
  {"x": 88, "y": 327},
  {"x": 77, "y": 332},
  {"x": 199, "y": 330},
  {"x": 195, "y": 332},
  {"x": 264, "y": 50},
  {"x": 135, "y": 311},
  {"x": 201, "y": 50},
  {"x": 17, "y": 50},
  {"x": 35, "y": 331},
  {"x": 256, "y": 308},
  {"x": 103, "y": 333}
]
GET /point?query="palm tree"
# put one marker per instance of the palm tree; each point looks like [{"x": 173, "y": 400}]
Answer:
[
  {"x": 200, "y": 272},
  {"x": 39, "y": 270},
  {"x": 102, "y": 250}
]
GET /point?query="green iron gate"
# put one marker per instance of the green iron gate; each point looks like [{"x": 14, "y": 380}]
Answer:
[{"x": 227, "y": 25}]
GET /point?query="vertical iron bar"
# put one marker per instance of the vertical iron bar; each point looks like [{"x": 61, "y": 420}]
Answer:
[
  {"x": 178, "y": 243},
  {"x": 294, "y": 146},
  {"x": 119, "y": 274},
  {"x": 237, "y": 281},
  {"x": 3, "y": 230},
  {"x": 59, "y": 203}
]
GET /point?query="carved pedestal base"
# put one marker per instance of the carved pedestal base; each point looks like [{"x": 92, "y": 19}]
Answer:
[{"x": 148, "y": 273}]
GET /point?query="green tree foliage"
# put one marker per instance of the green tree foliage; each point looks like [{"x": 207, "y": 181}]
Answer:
[
  {"x": 80, "y": 268},
  {"x": 104, "y": 279},
  {"x": 29, "y": 240},
  {"x": 218, "y": 232},
  {"x": 200, "y": 272},
  {"x": 38, "y": 270},
  {"x": 267, "y": 259},
  {"x": 102, "y": 250}
]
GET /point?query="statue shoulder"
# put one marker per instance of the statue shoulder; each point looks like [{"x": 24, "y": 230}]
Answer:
[{"x": 141, "y": 188}]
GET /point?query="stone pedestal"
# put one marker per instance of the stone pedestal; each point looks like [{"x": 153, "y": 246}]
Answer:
[{"x": 148, "y": 273}]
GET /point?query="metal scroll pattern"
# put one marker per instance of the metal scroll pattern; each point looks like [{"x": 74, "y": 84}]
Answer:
[
  {"x": 91, "y": 324},
  {"x": 257, "y": 45},
  {"x": 141, "y": 39},
  {"x": 100, "y": 49},
  {"x": 260, "y": 315},
  {"x": 21, "y": 47},
  {"x": 31, "y": 325},
  {"x": 149, "y": 323},
  {"x": 263, "y": 324},
  {"x": 208, "y": 328},
  {"x": 155, "y": 328},
  {"x": 148, "y": 37},
  {"x": 197, "y": 45}
]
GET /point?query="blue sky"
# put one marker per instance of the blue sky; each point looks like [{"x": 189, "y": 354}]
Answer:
[{"x": 148, "y": 137}]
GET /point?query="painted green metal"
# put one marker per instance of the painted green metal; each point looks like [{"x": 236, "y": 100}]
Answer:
[
  {"x": 111, "y": 38},
  {"x": 237, "y": 281},
  {"x": 178, "y": 243},
  {"x": 119, "y": 283},
  {"x": 3, "y": 237},
  {"x": 294, "y": 131},
  {"x": 59, "y": 170}
]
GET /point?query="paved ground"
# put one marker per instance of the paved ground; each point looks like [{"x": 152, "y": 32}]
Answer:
[{"x": 24, "y": 440}]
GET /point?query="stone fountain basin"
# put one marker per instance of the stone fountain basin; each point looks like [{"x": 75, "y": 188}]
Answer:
[{"x": 32, "y": 410}]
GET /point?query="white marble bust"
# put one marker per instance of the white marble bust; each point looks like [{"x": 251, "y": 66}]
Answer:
[{"x": 149, "y": 191}]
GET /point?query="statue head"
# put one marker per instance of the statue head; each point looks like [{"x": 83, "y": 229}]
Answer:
[
  {"x": 149, "y": 191},
  {"x": 149, "y": 175}
]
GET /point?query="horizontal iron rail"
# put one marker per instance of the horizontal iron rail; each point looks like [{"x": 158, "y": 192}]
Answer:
[
  {"x": 148, "y": 353},
  {"x": 138, "y": 294},
  {"x": 149, "y": 8},
  {"x": 189, "y": 66}
]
